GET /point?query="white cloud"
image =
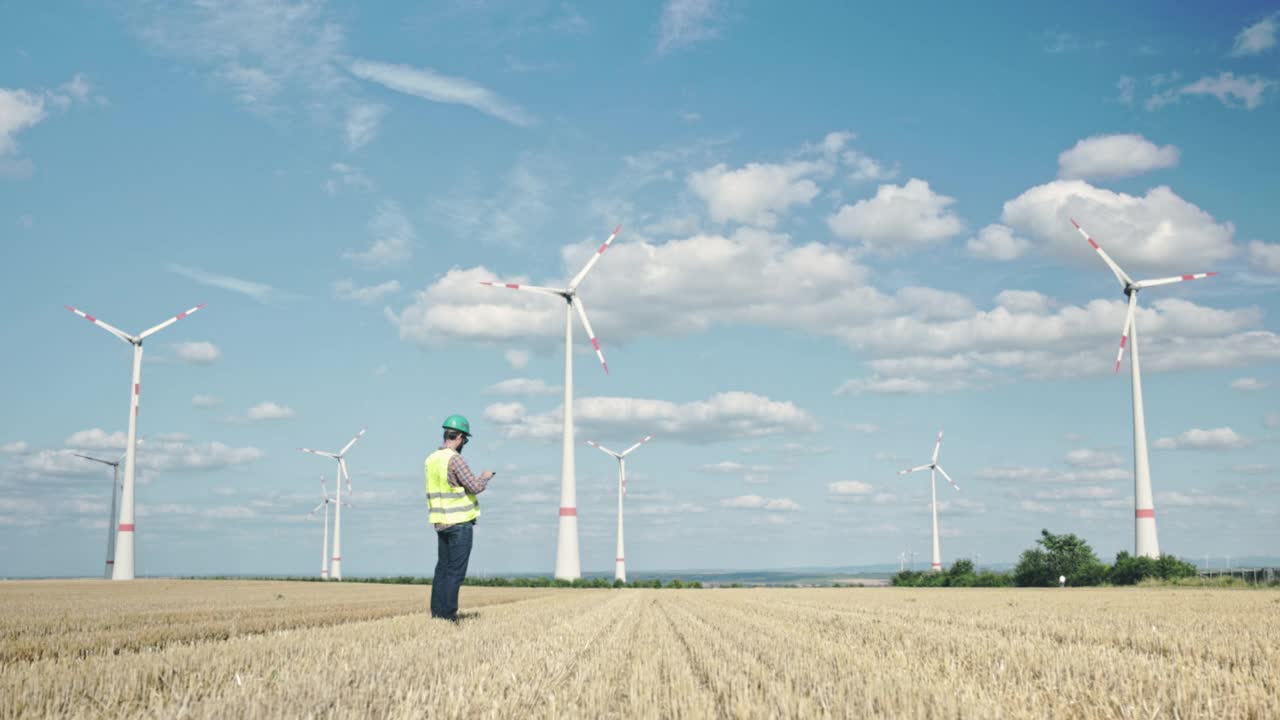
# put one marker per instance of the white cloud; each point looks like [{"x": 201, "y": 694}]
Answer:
[
  {"x": 270, "y": 411},
  {"x": 728, "y": 467},
  {"x": 346, "y": 176},
  {"x": 1024, "y": 301},
  {"x": 1257, "y": 38},
  {"x": 1157, "y": 231},
  {"x": 23, "y": 109},
  {"x": 884, "y": 385},
  {"x": 1230, "y": 90},
  {"x": 1127, "y": 86},
  {"x": 1265, "y": 256},
  {"x": 1087, "y": 458},
  {"x": 199, "y": 353},
  {"x": 1254, "y": 469},
  {"x": 96, "y": 439},
  {"x": 348, "y": 290},
  {"x": 517, "y": 359},
  {"x": 524, "y": 386},
  {"x": 864, "y": 427},
  {"x": 1198, "y": 499},
  {"x": 1113, "y": 156},
  {"x": 205, "y": 401},
  {"x": 362, "y": 123},
  {"x": 1223, "y": 438},
  {"x": 755, "y": 502},
  {"x": 430, "y": 85},
  {"x": 850, "y": 488},
  {"x": 899, "y": 217},
  {"x": 686, "y": 22},
  {"x": 658, "y": 289},
  {"x": 393, "y": 238},
  {"x": 17, "y": 447},
  {"x": 1034, "y": 507},
  {"x": 19, "y": 110},
  {"x": 261, "y": 292},
  {"x": 757, "y": 193},
  {"x": 997, "y": 242},
  {"x": 723, "y": 416},
  {"x": 266, "y": 52},
  {"x": 1248, "y": 384}
]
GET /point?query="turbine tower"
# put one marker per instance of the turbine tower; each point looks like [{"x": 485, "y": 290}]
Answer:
[
  {"x": 620, "y": 562},
  {"x": 335, "y": 562},
  {"x": 123, "y": 567},
  {"x": 568, "y": 565},
  {"x": 324, "y": 547},
  {"x": 934, "y": 468},
  {"x": 1145, "y": 542},
  {"x": 113, "y": 517}
]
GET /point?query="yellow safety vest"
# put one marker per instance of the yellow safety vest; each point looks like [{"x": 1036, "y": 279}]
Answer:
[{"x": 447, "y": 504}]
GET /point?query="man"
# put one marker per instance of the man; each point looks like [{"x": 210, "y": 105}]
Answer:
[{"x": 452, "y": 508}]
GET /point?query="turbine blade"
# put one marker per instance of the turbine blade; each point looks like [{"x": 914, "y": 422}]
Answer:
[
  {"x": 529, "y": 288},
  {"x": 937, "y": 446},
  {"x": 628, "y": 451},
  {"x": 948, "y": 477},
  {"x": 577, "y": 279},
  {"x": 169, "y": 322},
  {"x": 602, "y": 448},
  {"x": 347, "y": 447},
  {"x": 576, "y": 302},
  {"x": 1170, "y": 280},
  {"x": 1123, "y": 277},
  {"x": 342, "y": 465},
  {"x": 321, "y": 453},
  {"x": 314, "y": 510},
  {"x": 1128, "y": 325},
  {"x": 109, "y": 328},
  {"x": 914, "y": 469},
  {"x": 94, "y": 459}
]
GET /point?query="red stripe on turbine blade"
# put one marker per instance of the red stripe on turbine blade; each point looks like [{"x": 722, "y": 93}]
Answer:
[
  {"x": 90, "y": 318},
  {"x": 1094, "y": 244},
  {"x": 179, "y": 316},
  {"x": 568, "y": 512},
  {"x": 126, "y": 527},
  {"x": 137, "y": 388},
  {"x": 1188, "y": 277},
  {"x": 1073, "y": 222},
  {"x": 1117, "y": 366},
  {"x": 513, "y": 286},
  {"x": 595, "y": 344},
  {"x": 606, "y": 366},
  {"x": 602, "y": 249},
  {"x": 1210, "y": 274},
  {"x": 1123, "y": 339},
  {"x": 1145, "y": 513}
]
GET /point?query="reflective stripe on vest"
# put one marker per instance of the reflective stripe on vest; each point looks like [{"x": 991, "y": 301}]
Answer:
[{"x": 447, "y": 503}]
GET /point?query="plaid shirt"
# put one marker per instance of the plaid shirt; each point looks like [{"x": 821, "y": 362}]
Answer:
[{"x": 460, "y": 475}]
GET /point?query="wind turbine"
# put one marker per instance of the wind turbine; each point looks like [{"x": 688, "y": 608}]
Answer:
[
  {"x": 568, "y": 566},
  {"x": 123, "y": 567},
  {"x": 934, "y": 468},
  {"x": 620, "y": 562},
  {"x": 335, "y": 563},
  {"x": 112, "y": 518},
  {"x": 1145, "y": 541},
  {"x": 324, "y": 548}
]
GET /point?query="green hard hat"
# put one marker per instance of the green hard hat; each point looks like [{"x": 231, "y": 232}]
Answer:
[{"x": 457, "y": 422}]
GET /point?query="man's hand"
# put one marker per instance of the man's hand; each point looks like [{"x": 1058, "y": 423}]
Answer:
[{"x": 486, "y": 475}]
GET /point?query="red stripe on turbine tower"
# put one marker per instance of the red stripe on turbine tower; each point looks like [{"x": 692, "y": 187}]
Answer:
[
  {"x": 568, "y": 512},
  {"x": 1144, "y": 513},
  {"x": 126, "y": 527}
]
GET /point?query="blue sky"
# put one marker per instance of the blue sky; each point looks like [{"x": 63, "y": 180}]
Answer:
[{"x": 843, "y": 228}]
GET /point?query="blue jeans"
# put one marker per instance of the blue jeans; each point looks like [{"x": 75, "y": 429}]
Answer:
[{"x": 453, "y": 550}]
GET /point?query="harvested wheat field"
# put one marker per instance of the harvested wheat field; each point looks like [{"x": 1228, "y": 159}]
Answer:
[{"x": 170, "y": 649}]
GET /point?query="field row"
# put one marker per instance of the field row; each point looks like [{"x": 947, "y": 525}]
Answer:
[{"x": 723, "y": 653}]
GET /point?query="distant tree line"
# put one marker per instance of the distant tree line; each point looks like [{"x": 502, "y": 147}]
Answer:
[
  {"x": 655, "y": 583},
  {"x": 1055, "y": 556}
]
